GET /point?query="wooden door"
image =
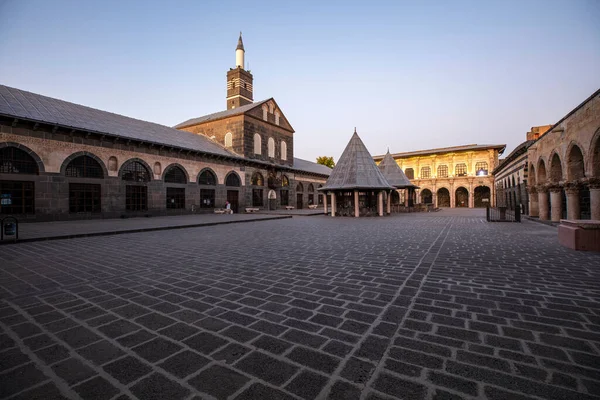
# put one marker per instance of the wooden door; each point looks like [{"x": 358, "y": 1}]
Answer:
[
  {"x": 299, "y": 200},
  {"x": 232, "y": 198}
]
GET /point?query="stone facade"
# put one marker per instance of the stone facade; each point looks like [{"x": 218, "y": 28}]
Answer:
[
  {"x": 452, "y": 177},
  {"x": 564, "y": 166}
]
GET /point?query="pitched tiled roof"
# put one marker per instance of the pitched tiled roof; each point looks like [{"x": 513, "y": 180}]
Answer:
[
  {"x": 309, "y": 166},
  {"x": 393, "y": 174},
  {"x": 220, "y": 114},
  {"x": 452, "y": 149},
  {"x": 26, "y": 105},
  {"x": 356, "y": 169},
  {"x": 520, "y": 149}
]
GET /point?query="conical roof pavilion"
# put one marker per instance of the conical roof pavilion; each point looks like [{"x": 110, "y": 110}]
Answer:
[
  {"x": 356, "y": 169},
  {"x": 393, "y": 173}
]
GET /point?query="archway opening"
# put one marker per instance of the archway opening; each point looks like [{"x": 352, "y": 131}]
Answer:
[
  {"x": 575, "y": 165},
  {"x": 426, "y": 196},
  {"x": 461, "y": 197},
  {"x": 555, "y": 169},
  {"x": 84, "y": 197},
  {"x": 482, "y": 196},
  {"x": 443, "y": 197}
]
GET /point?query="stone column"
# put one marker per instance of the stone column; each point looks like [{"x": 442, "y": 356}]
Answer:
[
  {"x": 380, "y": 203},
  {"x": 471, "y": 196},
  {"x": 325, "y": 203},
  {"x": 452, "y": 197},
  {"x": 356, "y": 209},
  {"x": 595, "y": 201},
  {"x": 543, "y": 203},
  {"x": 389, "y": 202},
  {"x": 533, "y": 202},
  {"x": 555, "y": 203},
  {"x": 406, "y": 196},
  {"x": 333, "y": 204},
  {"x": 573, "y": 211}
]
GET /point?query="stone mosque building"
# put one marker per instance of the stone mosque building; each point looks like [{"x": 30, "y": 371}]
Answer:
[{"x": 60, "y": 160}]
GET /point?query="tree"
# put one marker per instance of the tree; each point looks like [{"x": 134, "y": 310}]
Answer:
[{"x": 327, "y": 161}]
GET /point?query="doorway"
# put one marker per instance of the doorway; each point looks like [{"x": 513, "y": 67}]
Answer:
[{"x": 232, "y": 198}]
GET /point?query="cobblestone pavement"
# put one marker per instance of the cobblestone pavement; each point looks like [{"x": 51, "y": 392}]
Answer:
[{"x": 420, "y": 306}]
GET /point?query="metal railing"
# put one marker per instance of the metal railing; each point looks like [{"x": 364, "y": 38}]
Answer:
[{"x": 502, "y": 214}]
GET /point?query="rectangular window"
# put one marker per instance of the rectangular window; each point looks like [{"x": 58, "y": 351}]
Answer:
[
  {"x": 17, "y": 197},
  {"x": 320, "y": 199},
  {"x": 257, "y": 197},
  {"x": 136, "y": 198},
  {"x": 175, "y": 197},
  {"x": 207, "y": 198},
  {"x": 84, "y": 197},
  {"x": 285, "y": 197},
  {"x": 311, "y": 199},
  {"x": 425, "y": 172}
]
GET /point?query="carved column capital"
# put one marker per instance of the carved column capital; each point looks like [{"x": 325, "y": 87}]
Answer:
[
  {"x": 555, "y": 189},
  {"x": 542, "y": 188},
  {"x": 532, "y": 190}
]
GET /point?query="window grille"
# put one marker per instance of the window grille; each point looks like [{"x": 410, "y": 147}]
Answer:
[
  {"x": 425, "y": 172},
  {"x": 17, "y": 161},
  {"x": 207, "y": 198},
  {"x": 136, "y": 198},
  {"x": 84, "y": 167},
  {"x": 135, "y": 171},
  {"x": 442, "y": 171},
  {"x": 208, "y": 178},
  {"x": 84, "y": 197},
  {"x": 175, "y": 198},
  {"x": 232, "y": 180},
  {"x": 460, "y": 170},
  {"x": 17, "y": 197},
  {"x": 175, "y": 175}
]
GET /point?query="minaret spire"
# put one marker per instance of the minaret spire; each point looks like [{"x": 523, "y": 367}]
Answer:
[{"x": 239, "y": 53}]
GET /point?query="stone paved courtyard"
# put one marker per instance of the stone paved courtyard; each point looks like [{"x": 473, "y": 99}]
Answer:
[{"x": 420, "y": 306}]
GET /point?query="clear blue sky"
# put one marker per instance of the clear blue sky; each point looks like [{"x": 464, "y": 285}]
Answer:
[{"x": 409, "y": 75}]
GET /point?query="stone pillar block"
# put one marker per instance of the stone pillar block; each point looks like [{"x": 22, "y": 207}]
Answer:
[
  {"x": 556, "y": 204},
  {"x": 543, "y": 204}
]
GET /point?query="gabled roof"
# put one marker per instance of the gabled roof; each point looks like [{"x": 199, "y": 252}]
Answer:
[
  {"x": 466, "y": 147},
  {"x": 356, "y": 169},
  {"x": 309, "y": 166},
  {"x": 16, "y": 103},
  {"x": 220, "y": 114},
  {"x": 520, "y": 149},
  {"x": 393, "y": 173}
]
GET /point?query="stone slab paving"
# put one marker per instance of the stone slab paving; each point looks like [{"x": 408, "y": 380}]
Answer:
[
  {"x": 35, "y": 231},
  {"x": 416, "y": 306}
]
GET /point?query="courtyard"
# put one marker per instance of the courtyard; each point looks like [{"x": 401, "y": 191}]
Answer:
[{"x": 414, "y": 306}]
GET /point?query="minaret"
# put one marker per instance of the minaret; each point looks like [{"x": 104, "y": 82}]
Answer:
[{"x": 239, "y": 81}]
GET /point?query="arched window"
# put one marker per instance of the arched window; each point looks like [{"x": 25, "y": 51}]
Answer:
[
  {"x": 257, "y": 144},
  {"x": 228, "y": 139},
  {"x": 442, "y": 171},
  {"x": 17, "y": 161},
  {"x": 136, "y": 196},
  {"x": 283, "y": 150},
  {"x": 425, "y": 172},
  {"x": 135, "y": 171},
  {"x": 175, "y": 175},
  {"x": 271, "y": 147},
  {"x": 410, "y": 173},
  {"x": 265, "y": 109},
  {"x": 232, "y": 179},
  {"x": 257, "y": 179},
  {"x": 276, "y": 117},
  {"x": 460, "y": 170},
  {"x": 311, "y": 188},
  {"x": 481, "y": 168},
  {"x": 299, "y": 187},
  {"x": 207, "y": 177},
  {"x": 271, "y": 108},
  {"x": 84, "y": 167},
  {"x": 285, "y": 181},
  {"x": 84, "y": 197}
]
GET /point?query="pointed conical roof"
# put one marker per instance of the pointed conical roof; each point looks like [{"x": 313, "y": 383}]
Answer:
[
  {"x": 356, "y": 169},
  {"x": 240, "y": 45},
  {"x": 392, "y": 172}
]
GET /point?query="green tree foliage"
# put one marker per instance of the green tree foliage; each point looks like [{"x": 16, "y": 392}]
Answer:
[{"x": 327, "y": 161}]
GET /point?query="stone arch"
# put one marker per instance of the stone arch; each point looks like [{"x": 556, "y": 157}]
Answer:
[
  {"x": 541, "y": 176},
  {"x": 595, "y": 155},
  {"x": 209, "y": 170},
  {"x": 73, "y": 156},
  {"x": 311, "y": 187},
  {"x": 283, "y": 150},
  {"x": 426, "y": 196},
  {"x": 176, "y": 165},
  {"x": 31, "y": 153},
  {"x": 556, "y": 171},
  {"x": 228, "y": 139},
  {"x": 461, "y": 197},
  {"x": 271, "y": 147},
  {"x": 257, "y": 179},
  {"x": 299, "y": 187},
  {"x": 257, "y": 144},
  {"x": 443, "y": 197},
  {"x": 232, "y": 179},
  {"x": 482, "y": 195},
  {"x": 139, "y": 160},
  {"x": 575, "y": 162},
  {"x": 531, "y": 174}
]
